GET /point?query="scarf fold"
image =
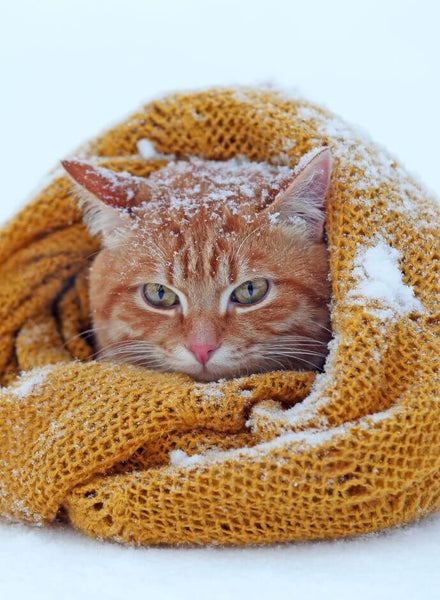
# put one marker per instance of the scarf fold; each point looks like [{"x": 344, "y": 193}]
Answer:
[{"x": 138, "y": 456}]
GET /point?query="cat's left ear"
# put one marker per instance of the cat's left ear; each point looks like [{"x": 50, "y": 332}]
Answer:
[
  {"x": 304, "y": 198},
  {"x": 116, "y": 190},
  {"x": 106, "y": 195}
]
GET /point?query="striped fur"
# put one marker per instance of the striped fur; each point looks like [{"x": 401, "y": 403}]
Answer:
[{"x": 236, "y": 233}]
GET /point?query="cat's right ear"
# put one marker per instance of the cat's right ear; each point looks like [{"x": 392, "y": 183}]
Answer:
[
  {"x": 304, "y": 197},
  {"x": 107, "y": 196}
]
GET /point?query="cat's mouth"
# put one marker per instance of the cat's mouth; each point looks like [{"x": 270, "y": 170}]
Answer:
[{"x": 223, "y": 363}]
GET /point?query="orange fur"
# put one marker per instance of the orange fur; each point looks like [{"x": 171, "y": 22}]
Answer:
[{"x": 203, "y": 253}]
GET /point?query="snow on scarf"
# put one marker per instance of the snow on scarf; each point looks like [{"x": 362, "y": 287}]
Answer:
[{"x": 151, "y": 458}]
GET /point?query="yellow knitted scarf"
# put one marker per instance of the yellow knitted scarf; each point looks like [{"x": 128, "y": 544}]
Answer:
[{"x": 151, "y": 458}]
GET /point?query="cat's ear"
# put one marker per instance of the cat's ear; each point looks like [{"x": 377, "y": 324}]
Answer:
[
  {"x": 303, "y": 199},
  {"x": 106, "y": 195}
]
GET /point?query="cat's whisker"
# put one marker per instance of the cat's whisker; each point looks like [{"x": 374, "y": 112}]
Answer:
[
  {"x": 130, "y": 355},
  {"x": 292, "y": 342},
  {"x": 291, "y": 347},
  {"x": 122, "y": 343},
  {"x": 287, "y": 340},
  {"x": 82, "y": 335},
  {"x": 91, "y": 255},
  {"x": 300, "y": 337},
  {"x": 296, "y": 356},
  {"x": 135, "y": 357},
  {"x": 307, "y": 362},
  {"x": 236, "y": 252},
  {"x": 129, "y": 351},
  {"x": 159, "y": 251},
  {"x": 323, "y": 327},
  {"x": 272, "y": 360},
  {"x": 114, "y": 351}
]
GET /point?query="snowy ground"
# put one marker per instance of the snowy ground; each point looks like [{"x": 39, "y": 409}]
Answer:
[
  {"x": 70, "y": 68},
  {"x": 58, "y": 563}
]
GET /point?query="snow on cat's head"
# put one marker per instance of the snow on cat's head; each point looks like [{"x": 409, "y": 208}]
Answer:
[{"x": 215, "y": 269}]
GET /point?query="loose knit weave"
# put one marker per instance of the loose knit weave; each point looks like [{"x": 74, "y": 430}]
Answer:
[{"x": 153, "y": 458}]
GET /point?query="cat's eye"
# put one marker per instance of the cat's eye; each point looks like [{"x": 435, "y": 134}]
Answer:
[
  {"x": 159, "y": 295},
  {"x": 250, "y": 292}
]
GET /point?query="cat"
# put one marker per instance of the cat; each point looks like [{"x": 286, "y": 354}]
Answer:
[{"x": 216, "y": 269}]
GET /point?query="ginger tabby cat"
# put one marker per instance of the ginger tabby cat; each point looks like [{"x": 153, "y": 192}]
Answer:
[{"x": 215, "y": 269}]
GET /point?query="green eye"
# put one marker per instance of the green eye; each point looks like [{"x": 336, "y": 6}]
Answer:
[
  {"x": 159, "y": 295},
  {"x": 250, "y": 292}
]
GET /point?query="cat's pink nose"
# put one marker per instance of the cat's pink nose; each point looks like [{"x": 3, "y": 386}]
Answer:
[{"x": 202, "y": 352}]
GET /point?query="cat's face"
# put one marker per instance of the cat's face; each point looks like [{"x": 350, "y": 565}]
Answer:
[{"x": 211, "y": 269}]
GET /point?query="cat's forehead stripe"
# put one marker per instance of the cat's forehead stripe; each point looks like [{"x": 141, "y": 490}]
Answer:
[{"x": 191, "y": 262}]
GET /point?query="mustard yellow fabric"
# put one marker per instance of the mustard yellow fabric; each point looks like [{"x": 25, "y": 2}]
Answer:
[{"x": 275, "y": 457}]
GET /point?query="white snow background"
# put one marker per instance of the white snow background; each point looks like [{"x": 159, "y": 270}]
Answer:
[{"x": 70, "y": 68}]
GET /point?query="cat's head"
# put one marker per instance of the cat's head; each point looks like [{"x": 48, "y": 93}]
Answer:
[{"x": 214, "y": 269}]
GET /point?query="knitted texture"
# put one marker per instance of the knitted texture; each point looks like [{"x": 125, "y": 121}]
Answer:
[{"x": 154, "y": 458}]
